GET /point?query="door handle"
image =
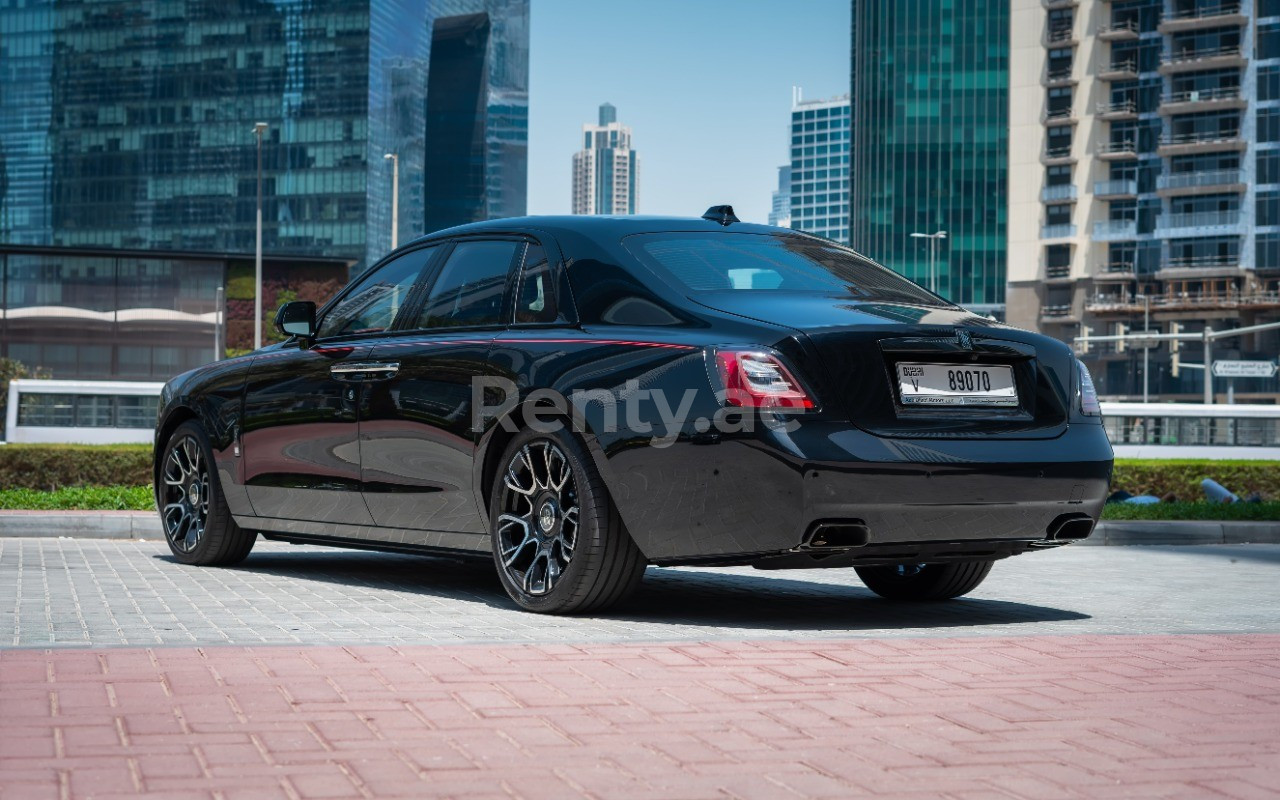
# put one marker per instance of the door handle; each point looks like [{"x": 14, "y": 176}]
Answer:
[{"x": 365, "y": 370}]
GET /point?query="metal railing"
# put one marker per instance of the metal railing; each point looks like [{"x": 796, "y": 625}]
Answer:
[
  {"x": 1057, "y": 273},
  {"x": 1185, "y": 56},
  {"x": 1129, "y": 65},
  {"x": 1118, "y": 26},
  {"x": 1056, "y": 311},
  {"x": 1203, "y": 95},
  {"x": 1199, "y": 219},
  {"x": 1201, "y": 262},
  {"x": 1063, "y": 33},
  {"x": 1116, "y": 186},
  {"x": 1200, "y": 137},
  {"x": 1053, "y": 194},
  {"x": 1120, "y": 268},
  {"x": 1059, "y": 73},
  {"x": 1060, "y": 151},
  {"x": 1053, "y": 114},
  {"x": 1122, "y": 147},
  {"x": 1202, "y": 12},
  {"x": 1191, "y": 180},
  {"x": 1118, "y": 107}
]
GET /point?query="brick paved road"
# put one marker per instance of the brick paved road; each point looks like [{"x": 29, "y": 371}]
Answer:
[
  {"x": 309, "y": 673},
  {"x": 100, "y": 592},
  {"x": 1032, "y": 717}
]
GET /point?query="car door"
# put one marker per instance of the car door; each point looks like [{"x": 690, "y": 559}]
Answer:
[
  {"x": 416, "y": 439},
  {"x": 301, "y": 410}
]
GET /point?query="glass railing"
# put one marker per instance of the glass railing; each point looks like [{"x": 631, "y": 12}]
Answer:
[
  {"x": 1200, "y": 219},
  {"x": 1118, "y": 107},
  {"x": 1118, "y": 26},
  {"x": 1200, "y": 137},
  {"x": 1057, "y": 231},
  {"x": 1203, "y": 11},
  {"x": 1123, "y": 147},
  {"x": 1189, "y": 180},
  {"x": 1119, "y": 186},
  {"x": 1203, "y": 95},
  {"x": 1183, "y": 56},
  {"x": 1115, "y": 228},
  {"x": 1053, "y": 194}
]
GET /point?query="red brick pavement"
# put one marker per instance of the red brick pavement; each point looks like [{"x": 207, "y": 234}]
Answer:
[{"x": 1037, "y": 717}]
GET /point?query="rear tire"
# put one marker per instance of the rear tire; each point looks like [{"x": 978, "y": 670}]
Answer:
[
  {"x": 924, "y": 582},
  {"x": 193, "y": 512},
  {"x": 558, "y": 543}
]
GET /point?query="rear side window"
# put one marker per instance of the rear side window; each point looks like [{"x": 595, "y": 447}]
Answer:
[
  {"x": 470, "y": 287},
  {"x": 536, "y": 298},
  {"x": 375, "y": 301},
  {"x": 713, "y": 262}
]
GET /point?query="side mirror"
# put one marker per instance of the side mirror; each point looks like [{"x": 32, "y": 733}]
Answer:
[{"x": 297, "y": 319}]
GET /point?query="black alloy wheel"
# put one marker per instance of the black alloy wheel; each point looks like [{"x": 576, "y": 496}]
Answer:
[{"x": 197, "y": 522}]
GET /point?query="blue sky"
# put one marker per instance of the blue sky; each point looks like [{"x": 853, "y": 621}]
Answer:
[{"x": 705, "y": 87}]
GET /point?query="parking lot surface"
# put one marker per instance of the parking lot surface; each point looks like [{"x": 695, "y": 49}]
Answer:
[
  {"x": 120, "y": 593},
  {"x": 310, "y": 673}
]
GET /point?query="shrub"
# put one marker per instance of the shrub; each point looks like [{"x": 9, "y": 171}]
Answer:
[
  {"x": 1195, "y": 511},
  {"x": 1181, "y": 477},
  {"x": 80, "y": 498},
  {"x": 53, "y": 466}
]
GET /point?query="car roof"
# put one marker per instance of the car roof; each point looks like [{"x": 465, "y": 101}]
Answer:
[{"x": 604, "y": 226}]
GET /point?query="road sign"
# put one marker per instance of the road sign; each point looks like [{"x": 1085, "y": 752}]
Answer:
[{"x": 1244, "y": 369}]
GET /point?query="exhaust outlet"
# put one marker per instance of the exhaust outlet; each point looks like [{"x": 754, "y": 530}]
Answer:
[
  {"x": 1070, "y": 528},
  {"x": 837, "y": 535}
]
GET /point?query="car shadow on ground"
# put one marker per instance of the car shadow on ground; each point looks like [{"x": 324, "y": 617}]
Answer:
[{"x": 700, "y": 598}]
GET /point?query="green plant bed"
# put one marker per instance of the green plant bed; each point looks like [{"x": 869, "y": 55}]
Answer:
[
  {"x": 1193, "y": 511},
  {"x": 1181, "y": 477},
  {"x": 80, "y": 498},
  {"x": 47, "y": 467}
]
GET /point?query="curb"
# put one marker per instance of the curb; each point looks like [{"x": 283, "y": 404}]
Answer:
[{"x": 146, "y": 525}]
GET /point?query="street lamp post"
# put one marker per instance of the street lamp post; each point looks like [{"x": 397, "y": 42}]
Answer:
[
  {"x": 395, "y": 199},
  {"x": 1146, "y": 349},
  {"x": 259, "y": 128},
  {"x": 934, "y": 239}
]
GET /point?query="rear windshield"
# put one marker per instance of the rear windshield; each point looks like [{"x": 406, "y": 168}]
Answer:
[{"x": 717, "y": 262}]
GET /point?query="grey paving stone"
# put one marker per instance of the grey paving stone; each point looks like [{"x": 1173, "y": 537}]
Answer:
[{"x": 84, "y": 592}]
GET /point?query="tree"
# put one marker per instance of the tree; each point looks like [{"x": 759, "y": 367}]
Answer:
[{"x": 9, "y": 370}]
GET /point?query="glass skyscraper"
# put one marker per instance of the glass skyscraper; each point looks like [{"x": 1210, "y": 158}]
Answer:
[
  {"x": 129, "y": 124},
  {"x": 930, "y": 97},
  {"x": 820, "y": 167}
]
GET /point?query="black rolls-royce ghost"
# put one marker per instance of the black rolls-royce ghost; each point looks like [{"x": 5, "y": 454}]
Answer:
[{"x": 581, "y": 397}]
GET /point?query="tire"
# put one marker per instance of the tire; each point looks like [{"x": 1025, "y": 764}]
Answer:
[
  {"x": 585, "y": 560},
  {"x": 923, "y": 582},
  {"x": 193, "y": 512}
]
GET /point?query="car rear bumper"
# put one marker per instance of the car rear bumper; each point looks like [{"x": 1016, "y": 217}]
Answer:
[{"x": 743, "y": 498}]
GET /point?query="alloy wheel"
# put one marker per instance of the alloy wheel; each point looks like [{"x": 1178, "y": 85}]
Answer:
[
  {"x": 186, "y": 494},
  {"x": 538, "y": 523}
]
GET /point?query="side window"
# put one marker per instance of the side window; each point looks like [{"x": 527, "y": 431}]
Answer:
[
  {"x": 372, "y": 305},
  {"x": 536, "y": 300},
  {"x": 470, "y": 287}
]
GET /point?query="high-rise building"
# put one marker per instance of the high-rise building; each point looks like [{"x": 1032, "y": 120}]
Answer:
[
  {"x": 605, "y": 170},
  {"x": 780, "y": 207},
  {"x": 929, "y": 82},
  {"x": 129, "y": 125},
  {"x": 1145, "y": 182},
  {"x": 820, "y": 166}
]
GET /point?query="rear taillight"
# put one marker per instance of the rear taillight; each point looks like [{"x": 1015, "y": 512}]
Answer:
[
  {"x": 1088, "y": 395},
  {"x": 759, "y": 379}
]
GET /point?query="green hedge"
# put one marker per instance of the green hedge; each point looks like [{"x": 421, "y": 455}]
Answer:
[
  {"x": 47, "y": 467},
  {"x": 1181, "y": 477},
  {"x": 80, "y": 498},
  {"x": 1268, "y": 511}
]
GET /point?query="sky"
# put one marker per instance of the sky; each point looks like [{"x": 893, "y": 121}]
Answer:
[{"x": 705, "y": 87}]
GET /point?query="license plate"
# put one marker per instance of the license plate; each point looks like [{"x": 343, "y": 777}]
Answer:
[{"x": 956, "y": 385}]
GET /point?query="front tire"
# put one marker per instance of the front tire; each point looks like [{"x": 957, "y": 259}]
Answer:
[
  {"x": 558, "y": 543},
  {"x": 197, "y": 522},
  {"x": 923, "y": 582}
]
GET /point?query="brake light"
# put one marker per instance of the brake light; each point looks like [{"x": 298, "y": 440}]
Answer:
[
  {"x": 1088, "y": 395},
  {"x": 756, "y": 379}
]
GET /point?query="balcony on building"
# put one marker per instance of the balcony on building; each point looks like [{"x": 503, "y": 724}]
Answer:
[
  {"x": 1222, "y": 97},
  {"x": 1117, "y": 110},
  {"x": 1217, "y": 181},
  {"x": 1119, "y": 70},
  {"x": 1057, "y": 231},
  {"x": 1053, "y": 156},
  {"x": 1118, "y": 30},
  {"x": 1117, "y": 188},
  {"x": 1052, "y": 4},
  {"x": 1058, "y": 75},
  {"x": 1201, "y": 142},
  {"x": 1200, "y": 223},
  {"x": 1059, "y": 116},
  {"x": 1059, "y": 274},
  {"x": 1116, "y": 272},
  {"x": 1221, "y": 14},
  {"x": 1064, "y": 193},
  {"x": 1198, "y": 268},
  {"x": 1208, "y": 58},
  {"x": 1061, "y": 35},
  {"x": 1121, "y": 150},
  {"x": 1113, "y": 302},
  {"x": 1058, "y": 314},
  {"x": 1201, "y": 300},
  {"x": 1115, "y": 230}
]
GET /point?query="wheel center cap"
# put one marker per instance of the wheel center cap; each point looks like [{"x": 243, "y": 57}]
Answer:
[
  {"x": 193, "y": 493},
  {"x": 547, "y": 516}
]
